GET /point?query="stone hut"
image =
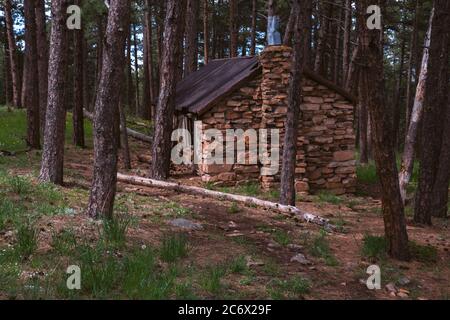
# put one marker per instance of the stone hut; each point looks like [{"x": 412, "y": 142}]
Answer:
[{"x": 252, "y": 93}]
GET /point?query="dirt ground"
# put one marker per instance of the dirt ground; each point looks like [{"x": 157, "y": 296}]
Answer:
[{"x": 251, "y": 232}]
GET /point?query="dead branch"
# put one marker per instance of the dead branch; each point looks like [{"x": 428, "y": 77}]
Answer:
[{"x": 288, "y": 210}]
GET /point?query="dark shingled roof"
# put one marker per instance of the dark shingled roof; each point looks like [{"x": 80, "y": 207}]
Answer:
[{"x": 200, "y": 90}]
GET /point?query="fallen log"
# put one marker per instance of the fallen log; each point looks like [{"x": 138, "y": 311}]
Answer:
[
  {"x": 289, "y": 210},
  {"x": 132, "y": 133}
]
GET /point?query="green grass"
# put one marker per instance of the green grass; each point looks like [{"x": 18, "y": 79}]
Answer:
[
  {"x": 374, "y": 247},
  {"x": 282, "y": 237},
  {"x": 13, "y": 130},
  {"x": 320, "y": 248},
  {"x": 328, "y": 197},
  {"x": 173, "y": 247},
  {"x": 238, "y": 265},
  {"x": 248, "y": 189},
  {"x": 211, "y": 279},
  {"x": 27, "y": 239},
  {"x": 234, "y": 208},
  {"x": 114, "y": 230},
  {"x": 425, "y": 254},
  {"x": 367, "y": 173},
  {"x": 294, "y": 288}
]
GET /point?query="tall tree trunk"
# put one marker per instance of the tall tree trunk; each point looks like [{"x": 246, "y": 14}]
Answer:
[
  {"x": 42, "y": 48},
  {"x": 53, "y": 154},
  {"x": 372, "y": 80},
  {"x": 124, "y": 139},
  {"x": 435, "y": 105},
  {"x": 78, "y": 119},
  {"x": 136, "y": 71},
  {"x": 416, "y": 116},
  {"x": 166, "y": 102},
  {"x": 13, "y": 63},
  {"x": 254, "y": 26},
  {"x": 287, "y": 194},
  {"x": 130, "y": 88},
  {"x": 206, "y": 31},
  {"x": 191, "y": 37},
  {"x": 234, "y": 34},
  {"x": 103, "y": 190},
  {"x": 398, "y": 93},
  {"x": 346, "y": 41},
  {"x": 31, "y": 93},
  {"x": 318, "y": 63},
  {"x": 363, "y": 126},
  {"x": 287, "y": 39},
  {"x": 411, "y": 59},
  {"x": 147, "y": 96}
]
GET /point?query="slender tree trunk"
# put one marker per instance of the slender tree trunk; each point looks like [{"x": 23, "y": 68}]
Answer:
[
  {"x": 31, "y": 95},
  {"x": 411, "y": 59},
  {"x": 206, "y": 31},
  {"x": 435, "y": 109},
  {"x": 287, "y": 194},
  {"x": 234, "y": 34},
  {"x": 440, "y": 189},
  {"x": 15, "y": 78},
  {"x": 254, "y": 26},
  {"x": 346, "y": 41},
  {"x": 416, "y": 116},
  {"x": 136, "y": 70},
  {"x": 191, "y": 56},
  {"x": 363, "y": 127},
  {"x": 103, "y": 190},
  {"x": 78, "y": 119},
  {"x": 318, "y": 63},
  {"x": 124, "y": 139},
  {"x": 372, "y": 80},
  {"x": 53, "y": 154},
  {"x": 146, "y": 111},
  {"x": 290, "y": 27},
  {"x": 166, "y": 102},
  {"x": 42, "y": 48},
  {"x": 398, "y": 94},
  {"x": 130, "y": 87}
]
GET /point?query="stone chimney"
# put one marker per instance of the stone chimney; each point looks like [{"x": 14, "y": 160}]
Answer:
[{"x": 276, "y": 64}]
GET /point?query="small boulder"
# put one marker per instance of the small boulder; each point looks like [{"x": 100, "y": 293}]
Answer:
[
  {"x": 186, "y": 224},
  {"x": 300, "y": 258}
]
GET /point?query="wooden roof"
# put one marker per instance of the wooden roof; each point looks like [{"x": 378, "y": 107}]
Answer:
[{"x": 200, "y": 90}]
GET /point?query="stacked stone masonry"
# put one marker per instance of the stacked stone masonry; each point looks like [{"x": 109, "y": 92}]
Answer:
[{"x": 326, "y": 143}]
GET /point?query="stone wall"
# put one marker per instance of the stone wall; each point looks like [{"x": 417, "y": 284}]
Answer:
[{"x": 326, "y": 157}]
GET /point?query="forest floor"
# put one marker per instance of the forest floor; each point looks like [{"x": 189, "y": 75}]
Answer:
[{"x": 232, "y": 252}]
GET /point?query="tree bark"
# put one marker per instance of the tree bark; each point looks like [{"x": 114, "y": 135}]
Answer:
[
  {"x": 13, "y": 63},
  {"x": 206, "y": 31},
  {"x": 124, "y": 139},
  {"x": 31, "y": 93},
  {"x": 416, "y": 116},
  {"x": 78, "y": 119},
  {"x": 287, "y": 39},
  {"x": 254, "y": 26},
  {"x": 435, "y": 104},
  {"x": 346, "y": 41},
  {"x": 103, "y": 190},
  {"x": 53, "y": 154},
  {"x": 191, "y": 37},
  {"x": 372, "y": 80},
  {"x": 42, "y": 48},
  {"x": 234, "y": 34},
  {"x": 136, "y": 71},
  {"x": 287, "y": 194},
  {"x": 148, "y": 96},
  {"x": 166, "y": 102}
]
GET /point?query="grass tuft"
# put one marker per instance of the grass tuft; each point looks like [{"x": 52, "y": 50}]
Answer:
[{"x": 173, "y": 248}]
